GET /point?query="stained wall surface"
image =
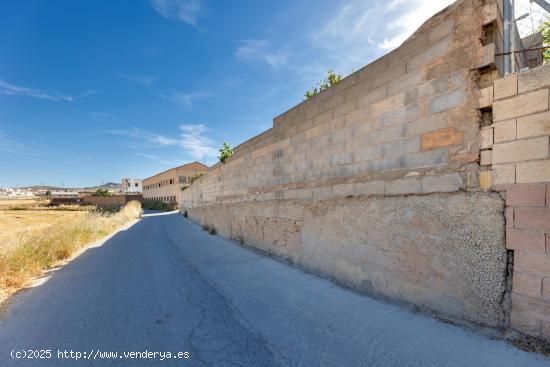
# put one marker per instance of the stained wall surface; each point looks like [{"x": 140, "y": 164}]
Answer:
[{"x": 375, "y": 182}]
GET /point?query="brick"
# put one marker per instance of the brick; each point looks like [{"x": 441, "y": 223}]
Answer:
[
  {"x": 548, "y": 194},
  {"x": 488, "y": 56},
  {"x": 526, "y": 194},
  {"x": 446, "y": 183},
  {"x": 369, "y": 188},
  {"x": 534, "y": 79},
  {"x": 403, "y": 186},
  {"x": 441, "y": 138},
  {"x": 447, "y": 101},
  {"x": 533, "y": 125},
  {"x": 521, "y": 150},
  {"x": 536, "y": 264},
  {"x": 526, "y": 240},
  {"x": 509, "y": 217},
  {"x": 486, "y": 157},
  {"x": 534, "y": 217},
  {"x": 486, "y": 97},
  {"x": 535, "y": 171},
  {"x": 485, "y": 180},
  {"x": 520, "y": 105},
  {"x": 504, "y": 173},
  {"x": 367, "y": 153},
  {"x": 528, "y": 285},
  {"x": 506, "y": 87},
  {"x": 322, "y": 192},
  {"x": 486, "y": 138},
  {"x": 505, "y": 131}
]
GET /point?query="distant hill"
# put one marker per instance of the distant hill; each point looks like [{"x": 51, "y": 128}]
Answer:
[{"x": 107, "y": 186}]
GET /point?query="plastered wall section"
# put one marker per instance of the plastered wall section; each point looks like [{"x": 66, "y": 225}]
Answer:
[
  {"x": 517, "y": 151},
  {"x": 375, "y": 181}
]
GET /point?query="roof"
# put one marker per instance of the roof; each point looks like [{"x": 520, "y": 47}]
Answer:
[{"x": 187, "y": 165}]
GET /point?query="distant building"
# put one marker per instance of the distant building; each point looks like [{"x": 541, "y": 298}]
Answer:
[
  {"x": 131, "y": 186},
  {"x": 166, "y": 186},
  {"x": 65, "y": 194}
]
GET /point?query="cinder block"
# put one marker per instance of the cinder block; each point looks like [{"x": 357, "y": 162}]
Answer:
[
  {"x": 533, "y": 125},
  {"x": 430, "y": 158},
  {"x": 485, "y": 180},
  {"x": 486, "y": 157},
  {"x": 528, "y": 285},
  {"x": 488, "y": 56},
  {"x": 486, "y": 138},
  {"x": 369, "y": 188},
  {"x": 534, "y": 171},
  {"x": 429, "y": 54},
  {"x": 446, "y": 183},
  {"x": 506, "y": 87},
  {"x": 546, "y": 297},
  {"x": 441, "y": 138},
  {"x": 426, "y": 124},
  {"x": 525, "y": 316},
  {"x": 536, "y": 264},
  {"x": 509, "y": 217},
  {"x": 343, "y": 189},
  {"x": 322, "y": 192},
  {"x": 486, "y": 97},
  {"x": 534, "y": 79},
  {"x": 401, "y": 147},
  {"x": 534, "y": 218},
  {"x": 521, "y": 150},
  {"x": 520, "y": 105},
  {"x": 526, "y": 240},
  {"x": 391, "y": 103},
  {"x": 403, "y": 186},
  {"x": 526, "y": 194},
  {"x": 505, "y": 131},
  {"x": 447, "y": 101}
]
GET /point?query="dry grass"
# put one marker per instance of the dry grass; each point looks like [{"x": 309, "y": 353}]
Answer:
[{"x": 35, "y": 250}]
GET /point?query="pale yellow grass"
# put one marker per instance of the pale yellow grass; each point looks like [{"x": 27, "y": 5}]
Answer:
[{"x": 39, "y": 249}]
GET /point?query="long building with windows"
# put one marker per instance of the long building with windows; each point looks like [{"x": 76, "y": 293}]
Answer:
[{"x": 166, "y": 186}]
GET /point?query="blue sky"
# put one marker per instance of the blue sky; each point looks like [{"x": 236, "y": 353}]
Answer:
[{"x": 99, "y": 90}]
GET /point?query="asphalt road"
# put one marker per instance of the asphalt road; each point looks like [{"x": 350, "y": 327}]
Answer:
[{"x": 166, "y": 286}]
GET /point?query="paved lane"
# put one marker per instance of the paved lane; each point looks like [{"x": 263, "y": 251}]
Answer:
[{"x": 166, "y": 286}]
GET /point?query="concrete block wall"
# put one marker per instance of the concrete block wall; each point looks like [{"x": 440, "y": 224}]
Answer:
[
  {"x": 518, "y": 159},
  {"x": 377, "y": 182}
]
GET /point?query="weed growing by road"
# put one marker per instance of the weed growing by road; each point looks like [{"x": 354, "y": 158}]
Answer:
[{"x": 43, "y": 248}]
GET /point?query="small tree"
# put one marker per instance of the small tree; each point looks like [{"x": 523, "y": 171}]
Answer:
[
  {"x": 101, "y": 192},
  {"x": 545, "y": 31},
  {"x": 331, "y": 79},
  {"x": 48, "y": 193},
  {"x": 225, "y": 152}
]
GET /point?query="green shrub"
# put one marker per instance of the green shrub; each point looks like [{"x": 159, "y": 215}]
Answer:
[
  {"x": 331, "y": 79},
  {"x": 225, "y": 152},
  {"x": 158, "y": 205}
]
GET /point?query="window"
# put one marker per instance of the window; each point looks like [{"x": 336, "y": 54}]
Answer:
[
  {"x": 136, "y": 184},
  {"x": 183, "y": 179},
  {"x": 128, "y": 184}
]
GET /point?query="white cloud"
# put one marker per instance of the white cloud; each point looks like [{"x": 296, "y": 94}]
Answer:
[
  {"x": 8, "y": 89},
  {"x": 192, "y": 139},
  {"x": 187, "y": 11},
  {"x": 141, "y": 79},
  {"x": 404, "y": 26},
  {"x": 258, "y": 52},
  {"x": 184, "y": 100}
]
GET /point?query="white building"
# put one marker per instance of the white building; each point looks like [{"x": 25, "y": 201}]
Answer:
[{"x": 131, "y": 186}]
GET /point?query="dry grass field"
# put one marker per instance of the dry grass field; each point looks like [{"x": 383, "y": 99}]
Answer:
[{"x": 34, "y": 237}]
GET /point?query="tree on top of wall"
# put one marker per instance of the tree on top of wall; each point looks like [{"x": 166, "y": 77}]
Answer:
[
  {"x": 331, "y": 79},
  {"x": 225, "y": 152}
]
